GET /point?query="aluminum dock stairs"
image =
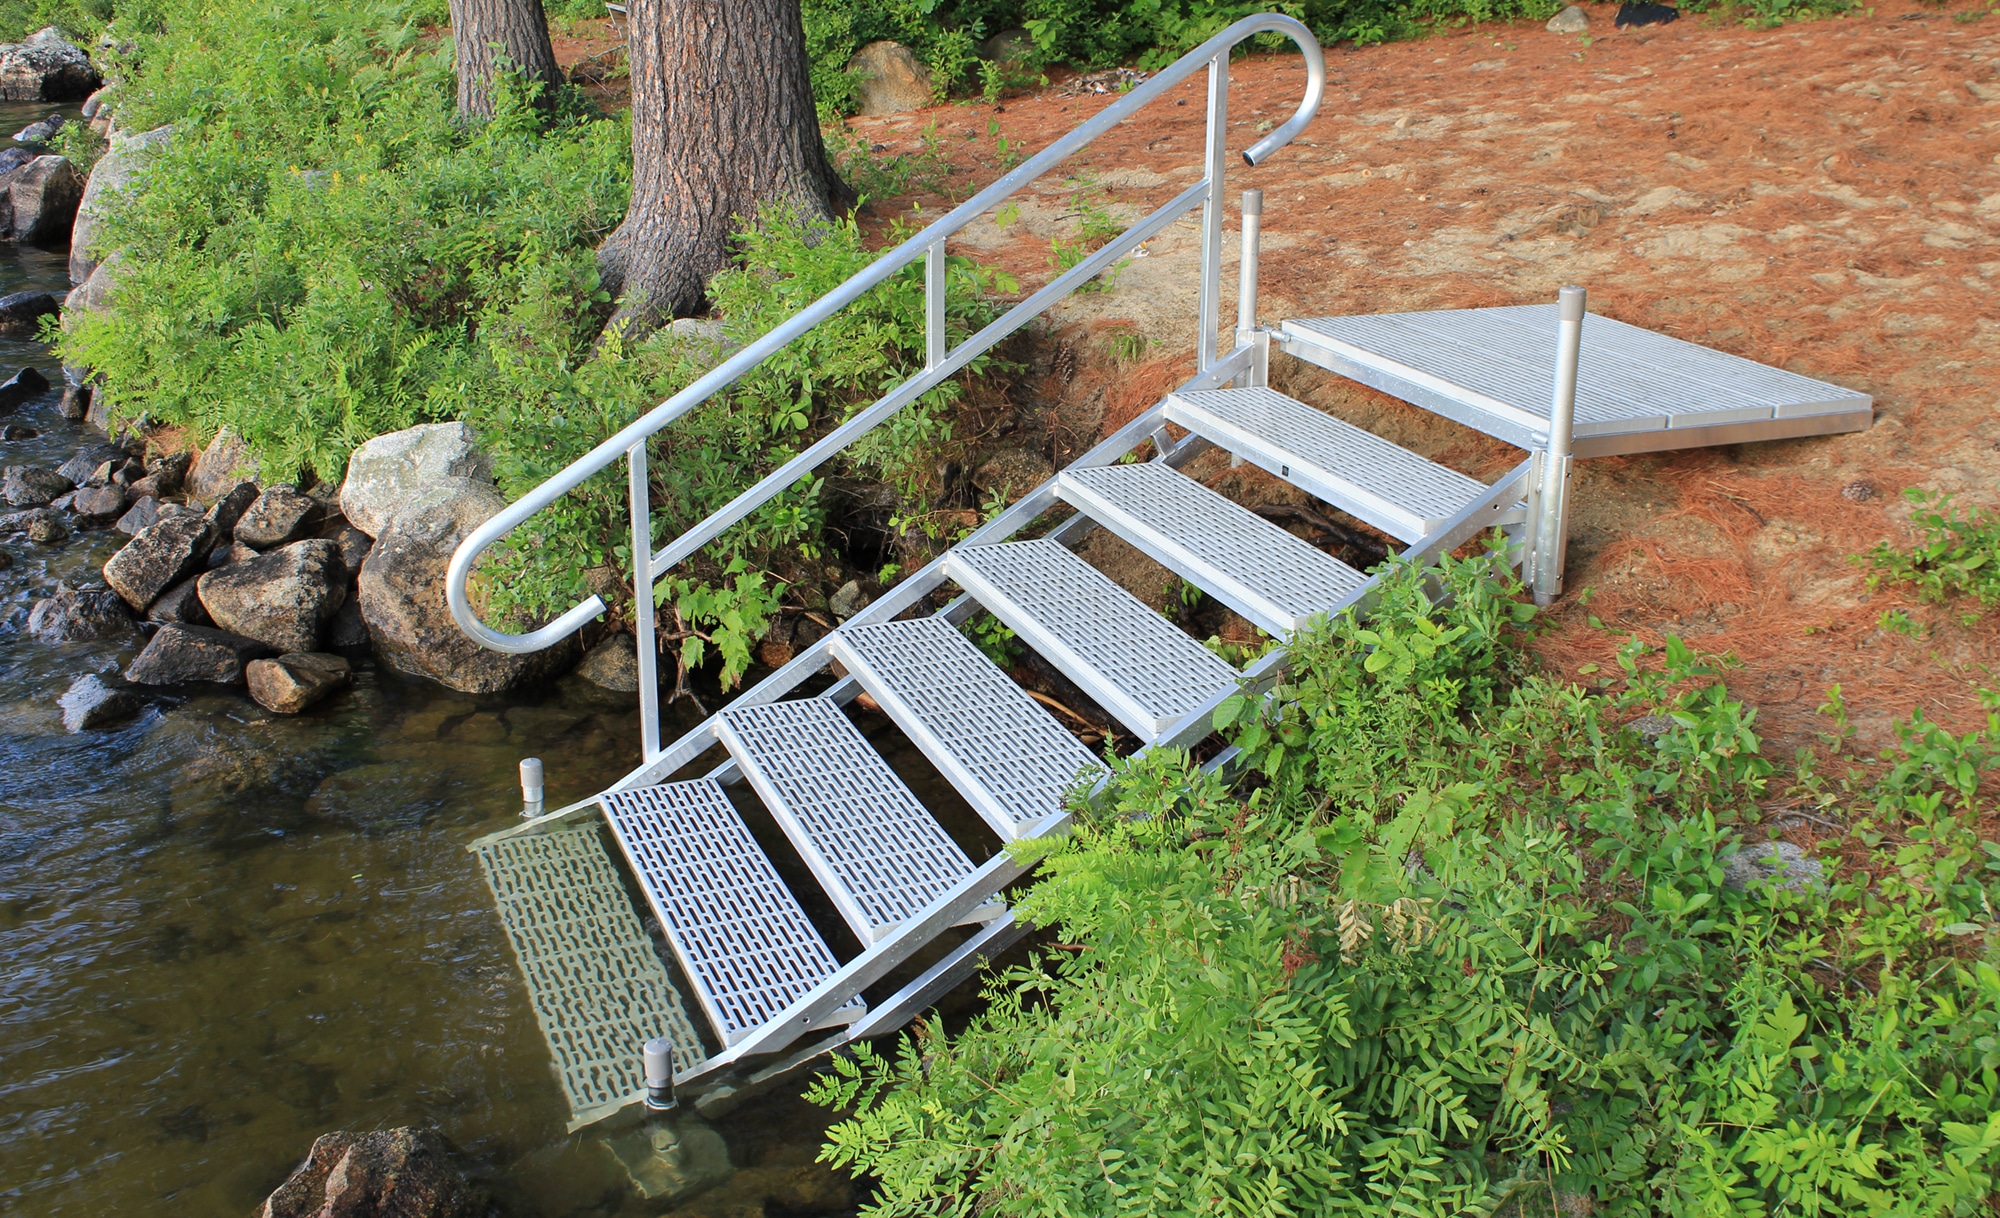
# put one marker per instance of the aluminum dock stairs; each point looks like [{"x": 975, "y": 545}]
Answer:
[{"x": 657, "y": 909}]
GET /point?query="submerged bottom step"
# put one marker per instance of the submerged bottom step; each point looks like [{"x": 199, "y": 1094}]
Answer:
[
  {"x": 597, "y": 986},
  {"x": 748, "y": 949}
]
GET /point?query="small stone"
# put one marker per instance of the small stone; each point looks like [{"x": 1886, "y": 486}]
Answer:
[
  {"x": 47, "y": 527},
  {"x": 228, "y": 508},
  {"x": 613, "y": 664},
  {"x": 20, "y": 387},
  {"x": 62, "y": 502},
  {"x": 180, "y": 603},
  {"x": 46, "y": 193},
  {"x": 889, "y": 79},
  {"x": 849, "y": 601},
  {"x": 172, "y": 548},
  {"x": 1652, "y": 727},
  {"x": 1572, "y": 20},
  {"x": 405, "y": 1172},
  {"x": 99, "y": 503},
  {"x": 235, "y": 551},
  {"x": 39, "y": 132},
  {"x": 354, "y": 546},
  {"x": 13, "y": 432},
  {"x": 222, "y": 466},
  {"x": 24, "y": 486},
  {"x": 347, "y": 631},
  {"x": 180, "y": 654},
  {"x": 291, "y": 683},
  {"x": 21, "y": 313},
  {"x": 284, "y": 598},
  {"x": 144, "y": 511},
  {"x": 78, "y": 615},
  {"x": 90, "y": 703},
  {"x": 78, "y": 469},
  {"x": 169, "y": 471},
  {"x": 279, "y": 515},
  {"x": 1858, "y": 491},
  {"x": 1780, "y": 863}
]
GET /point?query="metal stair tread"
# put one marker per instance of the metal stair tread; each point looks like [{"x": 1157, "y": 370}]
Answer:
[
  {"x": 1006, "y": 755},
  {"x": 878, "y": 852},
  {"x": 746, "y": 946},
  {"x": 1133, "y": 662},
  {"x": 1358, "y": 471},
  {"x": 1261, "y": 571},
  {"x": 594, "y": 981}
]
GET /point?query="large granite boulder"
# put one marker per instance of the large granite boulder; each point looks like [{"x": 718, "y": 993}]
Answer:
[
  {"x": 119, "y": 170},
  {"x": 889, "y": 79},
  {"x": 402, "y": 595},
  {"x": 223, "y": 466},
  {"x": 46, "y": 67},
  {"x": 386, "y": 473},
  {"x": 291, "y": 683},
  {"x": 44, "y": 194},
  {"x": 180, "y": 655},
  {"x": 283, "y": 599},
  {"x": 279, "y": 515},
  {"x": 164, "y": 553},
  {"x": 24, "y": 486},
  {"x": 76, "y": 615},
  {"x": 91, "y": 703},
  {"x": 395, "y": 1173}
]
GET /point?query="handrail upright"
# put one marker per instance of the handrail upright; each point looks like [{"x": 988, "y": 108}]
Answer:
[{"x": 940, "y": 359}]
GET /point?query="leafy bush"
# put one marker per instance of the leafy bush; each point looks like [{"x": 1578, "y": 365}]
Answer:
[
  {"x": 1461, "y": 936},
  {"x": 1958, "y": 555}
]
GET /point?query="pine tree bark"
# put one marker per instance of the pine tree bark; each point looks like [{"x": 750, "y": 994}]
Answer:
[
  {"x": 520, "y": 31},
  {"x": 723, "y": 124}
]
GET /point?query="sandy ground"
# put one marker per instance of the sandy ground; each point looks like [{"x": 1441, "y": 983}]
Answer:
[{"x": 1823, "y": 196}]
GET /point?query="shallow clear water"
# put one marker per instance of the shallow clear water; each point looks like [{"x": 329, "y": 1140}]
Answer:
[{"x": 223, "y": 933}]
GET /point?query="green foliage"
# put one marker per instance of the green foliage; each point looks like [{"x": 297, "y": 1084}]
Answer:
[
  {"x": 1459, "y": 936},
  {"x": 79, "y": 20},
  {"x": 1958, "y": 553}
]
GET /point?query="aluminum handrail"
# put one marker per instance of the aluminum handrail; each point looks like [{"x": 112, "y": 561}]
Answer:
[{"x": 940, "y": 362}]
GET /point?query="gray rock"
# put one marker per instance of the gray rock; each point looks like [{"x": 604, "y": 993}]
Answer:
[
  {"x": 78, "y": 615},
  {"x": 404, "y": 1173},
  {"x": 17, "y": 431},
  {"x": 613, "y": 664},
  {"x": 180, "y": 603},
  {"x": 121, "y": 169},
  {"x": 401, "y": 591},
  {"x": 23, "y": 386},
  {"x": 168, "y": 471},
  {"x": 74, "y": 404},
  {"x": 99, "y": 503},
  {"x": 1780, "y": 863},
  {"x": 284, "y": 598},
  {"x": 12, "y": 159},
  {"x": 100, "y": 100},
  {"x": 45, "y": 194},
  {"x": 890, "y": 79},
  {"x": 389, "y": 471},
  {"x": 90, "y": 703},
  {"x": 222, "y": 467},
  {"x": 848, "y": 601},
  {"x": 180, "y": 654},
  {"x": 24, "y": 486},
  {"x": 46, "y": 67},
  {"x": 144, "y": 511},
  {"x": 169, "y": 550},
  {"x": 79, "y": 468},
  {"x": 40, "y": 132},
  {"x": 280, "y": 515},
  {"x": 93, "y": 295},
  {"x": 21, "y": 313},
  {"x": 354, "y": 546},
  {"x": 229, "y": 508},
  {"x": 347, "y": 631},
  {"x": 63, "y": 501},
  {"x": 291, "y": 683},
  {"x": 44, "y": 525},
  {"x": 1652, "y": 727},
  {"x": 1572, "y": 20},
  {"x": 1009, "y": 48},
  {"x": 235, "y": 551}
]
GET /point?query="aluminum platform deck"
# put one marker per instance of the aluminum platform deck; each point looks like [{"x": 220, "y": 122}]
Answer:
[{"x": 1637, "y": 391}]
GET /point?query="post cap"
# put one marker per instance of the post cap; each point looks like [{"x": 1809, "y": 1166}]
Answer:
[
  {"x": 1569, "y": 304},
  {"x": 658, "y": 1057},
  {"x": 1253, "y": 202}
]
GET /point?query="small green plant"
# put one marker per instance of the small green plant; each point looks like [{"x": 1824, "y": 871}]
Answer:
[
  {"x": 1128, "y": 346},
  {"x": 993, "y": 638},
  {"x": 1895, "y": 621},
  {"x": 1958, "y": 553},
  {"x": 1096, "y": 225}
]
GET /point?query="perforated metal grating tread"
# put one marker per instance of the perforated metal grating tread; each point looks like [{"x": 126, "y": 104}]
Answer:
[
  {"x": 747, "y": 947},
  {"x": 878, "y": 852},
  {"x": 595, "y": 982},
  {"x": 1009, "y": 759},
  {"x": 1384, "y": 484},
  {"x": 1135, "y": 663},
  {"x": 1246, "y": 562},
  {"x": 1502, "y": 360}
]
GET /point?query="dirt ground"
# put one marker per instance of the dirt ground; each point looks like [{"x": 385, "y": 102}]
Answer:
[{"x": 1824, "y": 196}]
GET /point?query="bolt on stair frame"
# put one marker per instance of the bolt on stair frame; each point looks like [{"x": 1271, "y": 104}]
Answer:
[{"x": 941, "y": 360}]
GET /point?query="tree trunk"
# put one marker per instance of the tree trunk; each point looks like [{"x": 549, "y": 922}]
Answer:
[
  {"x": 723, "y": 123},
  {"x": 521, "y": 33}
]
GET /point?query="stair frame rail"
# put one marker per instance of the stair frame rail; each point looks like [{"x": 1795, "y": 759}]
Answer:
[{"x": 942, "y": 360}]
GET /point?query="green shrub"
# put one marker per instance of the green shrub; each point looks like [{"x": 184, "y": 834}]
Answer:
[
  {"x": 1958, "y": 553},
  {"x": 1460, "y": 936}
]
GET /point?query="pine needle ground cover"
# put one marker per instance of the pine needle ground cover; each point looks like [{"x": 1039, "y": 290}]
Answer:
[{"x": 1463, "y": 938}]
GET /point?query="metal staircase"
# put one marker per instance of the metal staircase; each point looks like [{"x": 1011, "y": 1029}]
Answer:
[{"x": 774, "y": 992}]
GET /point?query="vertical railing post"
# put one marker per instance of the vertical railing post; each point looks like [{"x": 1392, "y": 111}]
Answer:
[
  {"x": 1551, "y": 526},
  {"x": 1214, "y": 162},
  {"x": 935, "y": 345},
  {"x": 1247, "y": 333},
  {"x": 642, "y": 602}
]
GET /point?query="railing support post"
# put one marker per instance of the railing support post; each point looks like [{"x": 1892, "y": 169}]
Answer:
[
  {"x": 642, "y": 602},
  {"x": 1550, "y": 542},
  {"x": 935, "y": 344},
  {"x": 1247, "y": 333},
  {"x": 1214, "y": 162}
]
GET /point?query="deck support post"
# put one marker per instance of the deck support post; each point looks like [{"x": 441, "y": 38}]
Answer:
[
  {"x": 642, "y": 602},
  {"x": 1549, "y": 524},
  {"x": 1247, "y": 333},
  {"x": 1215, "y": 159}
]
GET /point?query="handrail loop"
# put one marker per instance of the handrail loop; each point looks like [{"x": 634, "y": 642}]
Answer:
[{"x": 940, "y": 359}]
